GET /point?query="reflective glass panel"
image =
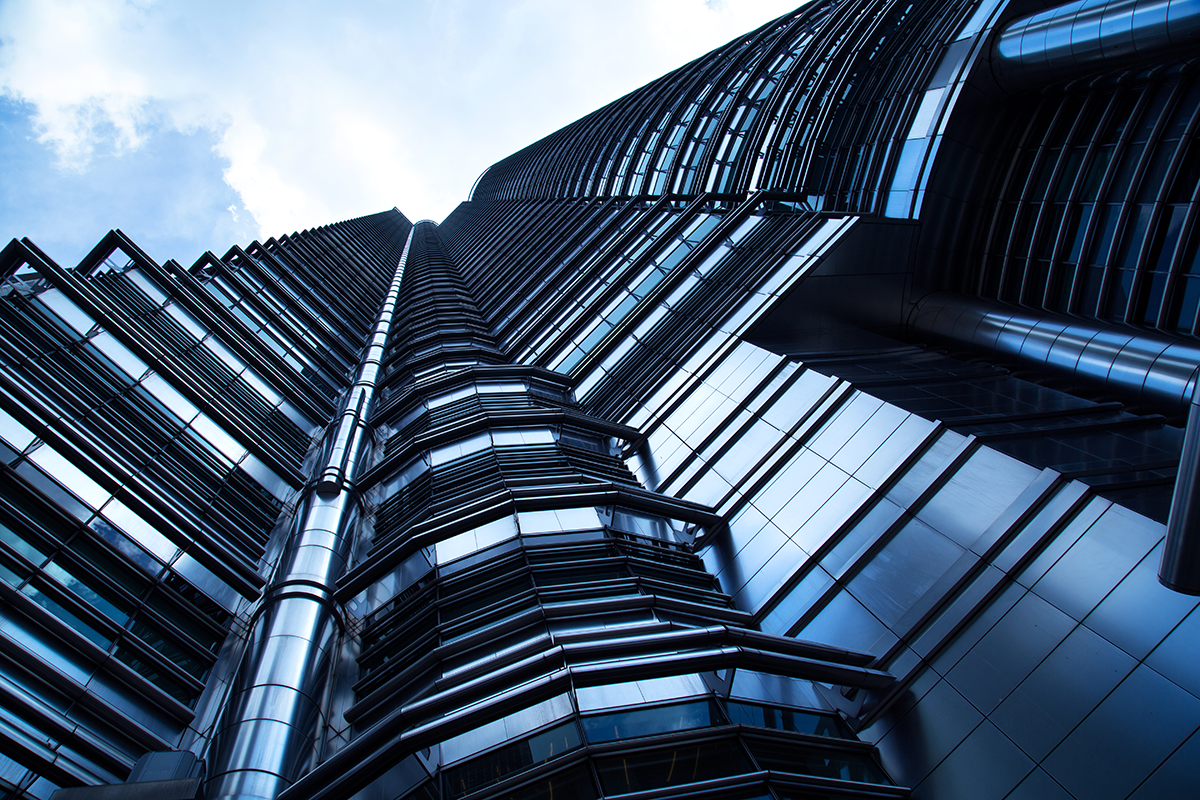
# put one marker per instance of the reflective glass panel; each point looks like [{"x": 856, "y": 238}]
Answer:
[{"x": 650, "y": 721}]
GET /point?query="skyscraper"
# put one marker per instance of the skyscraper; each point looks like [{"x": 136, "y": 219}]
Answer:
[{"x": 808, "y": 423}]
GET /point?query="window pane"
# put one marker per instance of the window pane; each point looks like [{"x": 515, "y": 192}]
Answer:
[
  {"x": 671, "y": 766},
  {"x": 650, "y": 721}
]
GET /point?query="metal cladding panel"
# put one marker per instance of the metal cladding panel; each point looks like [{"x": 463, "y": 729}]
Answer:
[
  {"x": 1051, "y": 671},
  {"x": 1091, "y": 761}
]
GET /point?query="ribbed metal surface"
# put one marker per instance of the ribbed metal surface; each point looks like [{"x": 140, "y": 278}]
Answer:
[
  {"x": 1092, "y": 35},
  {"x": 275, "y": 717},
  {"x": 811, "y": 104}
]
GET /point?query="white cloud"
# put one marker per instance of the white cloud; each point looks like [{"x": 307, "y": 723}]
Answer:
[{"x": 323, "y": 112}]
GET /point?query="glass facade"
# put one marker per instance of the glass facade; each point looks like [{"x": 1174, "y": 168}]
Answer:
[{"x": 802, "y": 425}]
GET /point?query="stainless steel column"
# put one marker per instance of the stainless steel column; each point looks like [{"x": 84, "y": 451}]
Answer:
[
  {"x": 1180, "y": 565},
  {"x": 271, "y": 727}
]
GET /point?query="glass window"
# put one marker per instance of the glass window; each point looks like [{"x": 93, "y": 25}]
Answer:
[
  {"x": 522, "y": 436},
  {"x": 684, "y": 763},
  {"x": 120, "y": 355},
  {"x": 1076, "y": 229},
  {"x": 198, "y": 576},
  {"x": 499, "y": 764},
  {"x": 225, "y": 354},
  {"x": 1135, "y": 232},
  {"x": 218, "y": 438},
  {"x": 1185, "y": 303},
  {"x": 565, "y": 519},
  {"x": 51, "y": 489},
  {"x": 798, "y": 758},
  {"x": 787, "y": 719},
  {"x": 69, "y": 475},
  {"x": 104, "y": 600},
  {"x": 124, "y": 545},
  {"x": 10, "y": 577},
  {"x": 169, "y": 397},
  {"x": 112, "y": 567},
  {"x": 463, "y": 447},
  {"x": 13, "y": 432},
  {"x": 89, "y": 632},
  {"x": 18, "y": 543},
  {"x": 170, "y": 648},
  {"x": 146, "y": 285},
  {"x": 572, "y": 784},
  {"x": 156, "y": 674},
  {"x": 265, "y": 477},
  {"x": 186, "y": 321},
  {"x": 650, "y": 721},
  {"x": 139, "y": 530},
  {"x": 67, "y": 311}
]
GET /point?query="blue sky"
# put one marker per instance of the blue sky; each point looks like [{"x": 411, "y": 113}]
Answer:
[{"x": 194, "y": 126}]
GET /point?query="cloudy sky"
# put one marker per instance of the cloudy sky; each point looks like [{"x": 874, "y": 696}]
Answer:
[{"x": 195, "y": 125}]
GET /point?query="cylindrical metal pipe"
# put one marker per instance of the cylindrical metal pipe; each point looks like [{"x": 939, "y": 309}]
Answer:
[
  {"x": 1089, "y": 35},
  {"x": 1180, "y": 565},
  {"x": 1149, "y": 369},
  {"x": 272, "y": 722}
]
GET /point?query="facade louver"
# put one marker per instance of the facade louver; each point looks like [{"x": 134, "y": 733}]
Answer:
[{"x": 818, "y": 421}]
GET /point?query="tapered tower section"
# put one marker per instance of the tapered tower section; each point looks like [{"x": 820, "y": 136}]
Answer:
[{"x": 519, "y": 582}]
